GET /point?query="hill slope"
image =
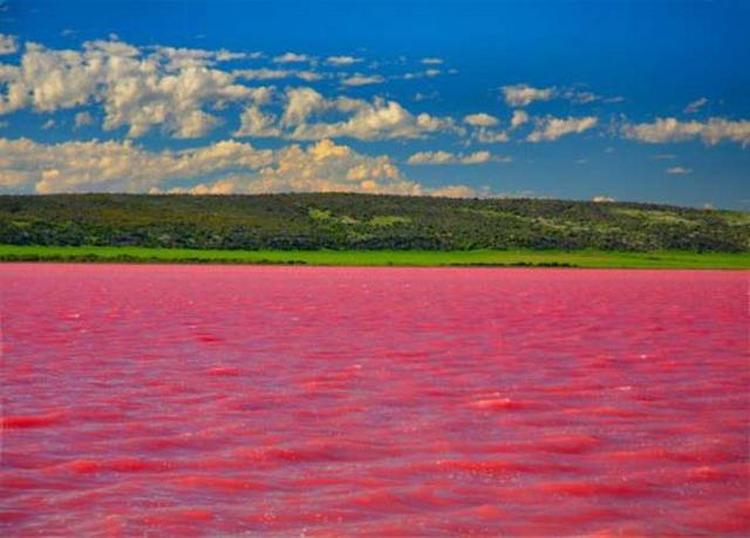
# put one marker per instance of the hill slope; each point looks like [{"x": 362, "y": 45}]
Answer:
[{"x": 356, "y": 221}]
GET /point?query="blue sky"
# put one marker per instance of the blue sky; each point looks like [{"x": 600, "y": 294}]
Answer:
[{"x": 643, "y": 101}]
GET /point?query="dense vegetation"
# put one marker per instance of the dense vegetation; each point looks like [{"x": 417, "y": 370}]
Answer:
[{"x": 363, "y": 222}]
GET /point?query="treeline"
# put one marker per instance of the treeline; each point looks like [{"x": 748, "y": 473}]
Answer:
[{"x": 310, "y": 221}]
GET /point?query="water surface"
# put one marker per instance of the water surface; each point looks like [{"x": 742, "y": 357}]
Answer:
[{"x": 211, "y": 400}]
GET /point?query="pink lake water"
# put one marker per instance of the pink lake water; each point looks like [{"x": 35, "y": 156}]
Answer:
[{"x": 227, "y": 400}]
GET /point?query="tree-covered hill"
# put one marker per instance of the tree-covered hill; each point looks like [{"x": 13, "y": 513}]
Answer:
[{"x": 357, "y": 221}]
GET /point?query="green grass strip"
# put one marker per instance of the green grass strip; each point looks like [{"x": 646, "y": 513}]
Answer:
[{"x": 409, "y": 258}]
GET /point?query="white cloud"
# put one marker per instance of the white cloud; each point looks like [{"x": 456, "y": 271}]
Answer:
[
  {"x": 291, "y": 57},
  {"x": 711, "y": 132},
  {"x": 695, "y": 106},
  {"x": 580, "y": 97},
  {"x": 483, "y": 132},
  {"x": 221, "y": 186},
  {"x": 221, "y": 168},
  {"x": 326, "y": 166},
  {"x": 309, "y": 76},
  {"x": 168, "y": 88},
  {"x": 551, "y": 128},
  {"x": 457, "y": 191},
  {"x": 116, "y": 166},
  {"x": 678, "y": 170},
  {"x": 176, "y": 58},
  {"x": 8, "y": 44},
  {"x": 602, "y": 199},
  {"x": 254, "y": 122},
  {"x": 49, "y": 124},
  {"x": 432, "y": 61},
  {"x": 342, "y": 60},
  {"x": 522, "y": 94},
  {"x": 432, "y": 157},
  {"x": 443, "y": 157},
  {"x": 178, "y": 91},
  {"x": 421, "y": 74},
  {"x": 83, "y": 118},
  {"x": 419, "y": 96},
  {"x": 491, "y": 136},
  {"x": 224, "y": 55},
  {"x": 362, "y": 80},
  {"x": 273, "y": 74},
  {"x": 481, "y": 120},
  {"x": 301, "y": 102},
  {"x": 519, "y": 118},
  {"x": 263, "y": 74},
  {"x": 376, "y": 120},
  {"x": 480, "y": 157}
]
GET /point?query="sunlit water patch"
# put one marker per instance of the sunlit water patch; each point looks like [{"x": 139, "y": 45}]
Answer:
[{"x": 158, "y": 400}]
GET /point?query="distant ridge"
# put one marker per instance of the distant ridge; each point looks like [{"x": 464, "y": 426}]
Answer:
[{"x": 310, "y": 221}]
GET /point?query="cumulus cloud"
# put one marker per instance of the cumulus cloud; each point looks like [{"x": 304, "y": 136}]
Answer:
[
  {"x": 551, "y": 128},
  {"x": 695, "y": 106},
  {"x": 445, "y": 157},
  {"x": 518, "y": 95},
  {"x": 224, "y": 55},
  {"x": 291, "y": 57},
  {"x": 342, "y": 60},
  {"x": 179, "y": 91},
  {"x": 168, "y": 89},
  {"x": 254, "y": 122},
  {"x": 457, "y": 191},
  {"x": 580, "y": 97},
  {"x": 326, "y": 166},
  {"x": 490, "y": 136},
  {"x": 481, "y": 120},
  {"x": 309, "y": 76},
  {"x": 429, "y": 73},
  {"x": 272, "y": 74},
  {"x": 678, "y": 170},
  {"x": 519, "y": 118},
  {"x": 176, "y": 58},
  {"x": 600, "y": 198},
  {"x": 711, "y": 132},
  {"x": 301, "y": 102},
  {"x": 362, "y": 80},
  {"x": 220, "y": 168},
  {"x": 432, "y": 61},
  {"x": 8, "y": 44},
  {"x": 115, "y": 166},
  {"x": 419, "y": 96},
  {"x": 378, "y": 119}
]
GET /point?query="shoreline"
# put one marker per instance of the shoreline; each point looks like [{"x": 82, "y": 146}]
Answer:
[{"x": 584, "y": 259}]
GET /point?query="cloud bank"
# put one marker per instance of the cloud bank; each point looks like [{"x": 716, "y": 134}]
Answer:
[{"x": 224, "y": 167}]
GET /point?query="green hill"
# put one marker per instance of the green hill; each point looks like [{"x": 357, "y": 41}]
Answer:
[{"x": 364, "y": 222}]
